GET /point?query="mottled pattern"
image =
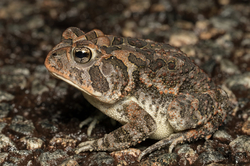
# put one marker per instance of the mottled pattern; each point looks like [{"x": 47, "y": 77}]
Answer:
[
  {"x": 153, "y": 89},
  {"x": 99, "y": 82}
]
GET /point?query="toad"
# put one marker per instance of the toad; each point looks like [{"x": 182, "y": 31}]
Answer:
[{"x": 152, "y": 88}]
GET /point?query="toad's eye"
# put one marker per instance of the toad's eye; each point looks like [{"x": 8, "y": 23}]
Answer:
[{"x": 82, "y": 55}]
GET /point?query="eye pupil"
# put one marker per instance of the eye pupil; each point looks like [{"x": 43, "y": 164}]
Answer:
[{"x": 81, "y": 54}]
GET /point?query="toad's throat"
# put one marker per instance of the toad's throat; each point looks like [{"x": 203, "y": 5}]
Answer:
[{"x": 96, "y": 94}]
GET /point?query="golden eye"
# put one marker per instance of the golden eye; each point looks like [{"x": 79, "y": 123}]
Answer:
[{"x": 82, "y": 54}]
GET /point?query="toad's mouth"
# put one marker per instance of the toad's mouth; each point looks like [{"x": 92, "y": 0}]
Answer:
[{"x": 95, "y": 94}]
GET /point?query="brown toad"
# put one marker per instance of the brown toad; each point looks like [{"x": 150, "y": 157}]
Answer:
[{"x": 152, "y": 88}]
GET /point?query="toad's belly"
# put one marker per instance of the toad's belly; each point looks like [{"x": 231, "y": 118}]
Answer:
[
  {"x": 117, "y": 112},
  {"x": 159, "y": 114}
]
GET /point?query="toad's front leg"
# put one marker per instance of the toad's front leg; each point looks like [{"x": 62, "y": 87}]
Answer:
[{"x": 140, "y": 126}]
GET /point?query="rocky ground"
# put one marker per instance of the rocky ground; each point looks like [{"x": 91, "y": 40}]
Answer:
[{"x": 40, "y": 116}]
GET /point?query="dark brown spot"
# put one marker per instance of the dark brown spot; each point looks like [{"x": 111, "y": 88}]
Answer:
[
  {"x": 91, "y": 35},
  {"x": 99, "y": 82},
  {"x": 159, "y": 64},
  {"x": 77, "y": 31},
  {"x": 154, "y": 65},
  {"x": 137, "y": 61},
  {"x": 147, "y": 53},
  {"x": 117, "y": 41},
  {"x": 171, "y": 65},
  {"x": 110, "y": 49},
  {"x": 136, "y": 42}
]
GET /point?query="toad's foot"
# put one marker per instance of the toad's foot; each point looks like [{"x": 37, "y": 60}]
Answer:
[
  {"x": 92, "y": 121},
  {"x": 84, "y": 146},
  {"x": 140, "y": 126}
]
